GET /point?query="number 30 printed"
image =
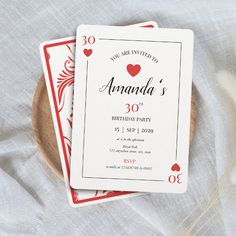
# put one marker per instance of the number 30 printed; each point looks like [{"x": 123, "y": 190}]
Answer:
[
  {"x": 175, "y": 179},
  {"x": 88, "y": 40}
]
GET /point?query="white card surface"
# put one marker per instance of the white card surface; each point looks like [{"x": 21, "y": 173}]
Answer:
[
  {"x": 132, "y": 99},
  {"x": 58, "y": 64}
]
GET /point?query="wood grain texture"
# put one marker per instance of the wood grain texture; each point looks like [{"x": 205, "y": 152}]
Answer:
[{"x": 43, "y": 129}]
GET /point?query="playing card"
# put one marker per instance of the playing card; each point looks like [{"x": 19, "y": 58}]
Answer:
[
  {"x": 58, "y": 64},
  {"x": 132, "y": 99}
]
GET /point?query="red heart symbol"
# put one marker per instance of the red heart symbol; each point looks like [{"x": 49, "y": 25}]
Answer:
[
  {"x": 88, "y": 52},
  {"x": 133, "y": 69},
  {"x": 175, "y": 167}
]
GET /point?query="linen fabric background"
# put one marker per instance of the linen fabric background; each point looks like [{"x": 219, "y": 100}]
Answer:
[{"x": 33, "y": 200}]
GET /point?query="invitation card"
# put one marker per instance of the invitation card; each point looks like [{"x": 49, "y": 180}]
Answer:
[{"x": 131, "y": 112}]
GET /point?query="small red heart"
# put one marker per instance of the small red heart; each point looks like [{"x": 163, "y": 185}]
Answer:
[
  {"x": 133, "y": 69},
  {"x": 88, "y": 52},
  {"x": 175, "y": 167}
]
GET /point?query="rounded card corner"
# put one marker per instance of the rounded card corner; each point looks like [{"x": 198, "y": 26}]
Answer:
[
  {"x": 190, "y": 32},
  {"x": 80, "y": 27}
]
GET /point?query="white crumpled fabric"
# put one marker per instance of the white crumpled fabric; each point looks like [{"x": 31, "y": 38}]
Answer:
[{"x": 33, "y": 200}]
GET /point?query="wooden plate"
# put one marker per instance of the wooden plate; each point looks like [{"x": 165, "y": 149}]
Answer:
[{"x": 43, "y": 129}]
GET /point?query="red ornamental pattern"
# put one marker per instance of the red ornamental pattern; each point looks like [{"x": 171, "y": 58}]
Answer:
[{"x": 66, "y": 77}]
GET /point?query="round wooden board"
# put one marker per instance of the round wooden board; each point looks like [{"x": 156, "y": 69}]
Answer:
[{"x": 43, "y": 129}]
